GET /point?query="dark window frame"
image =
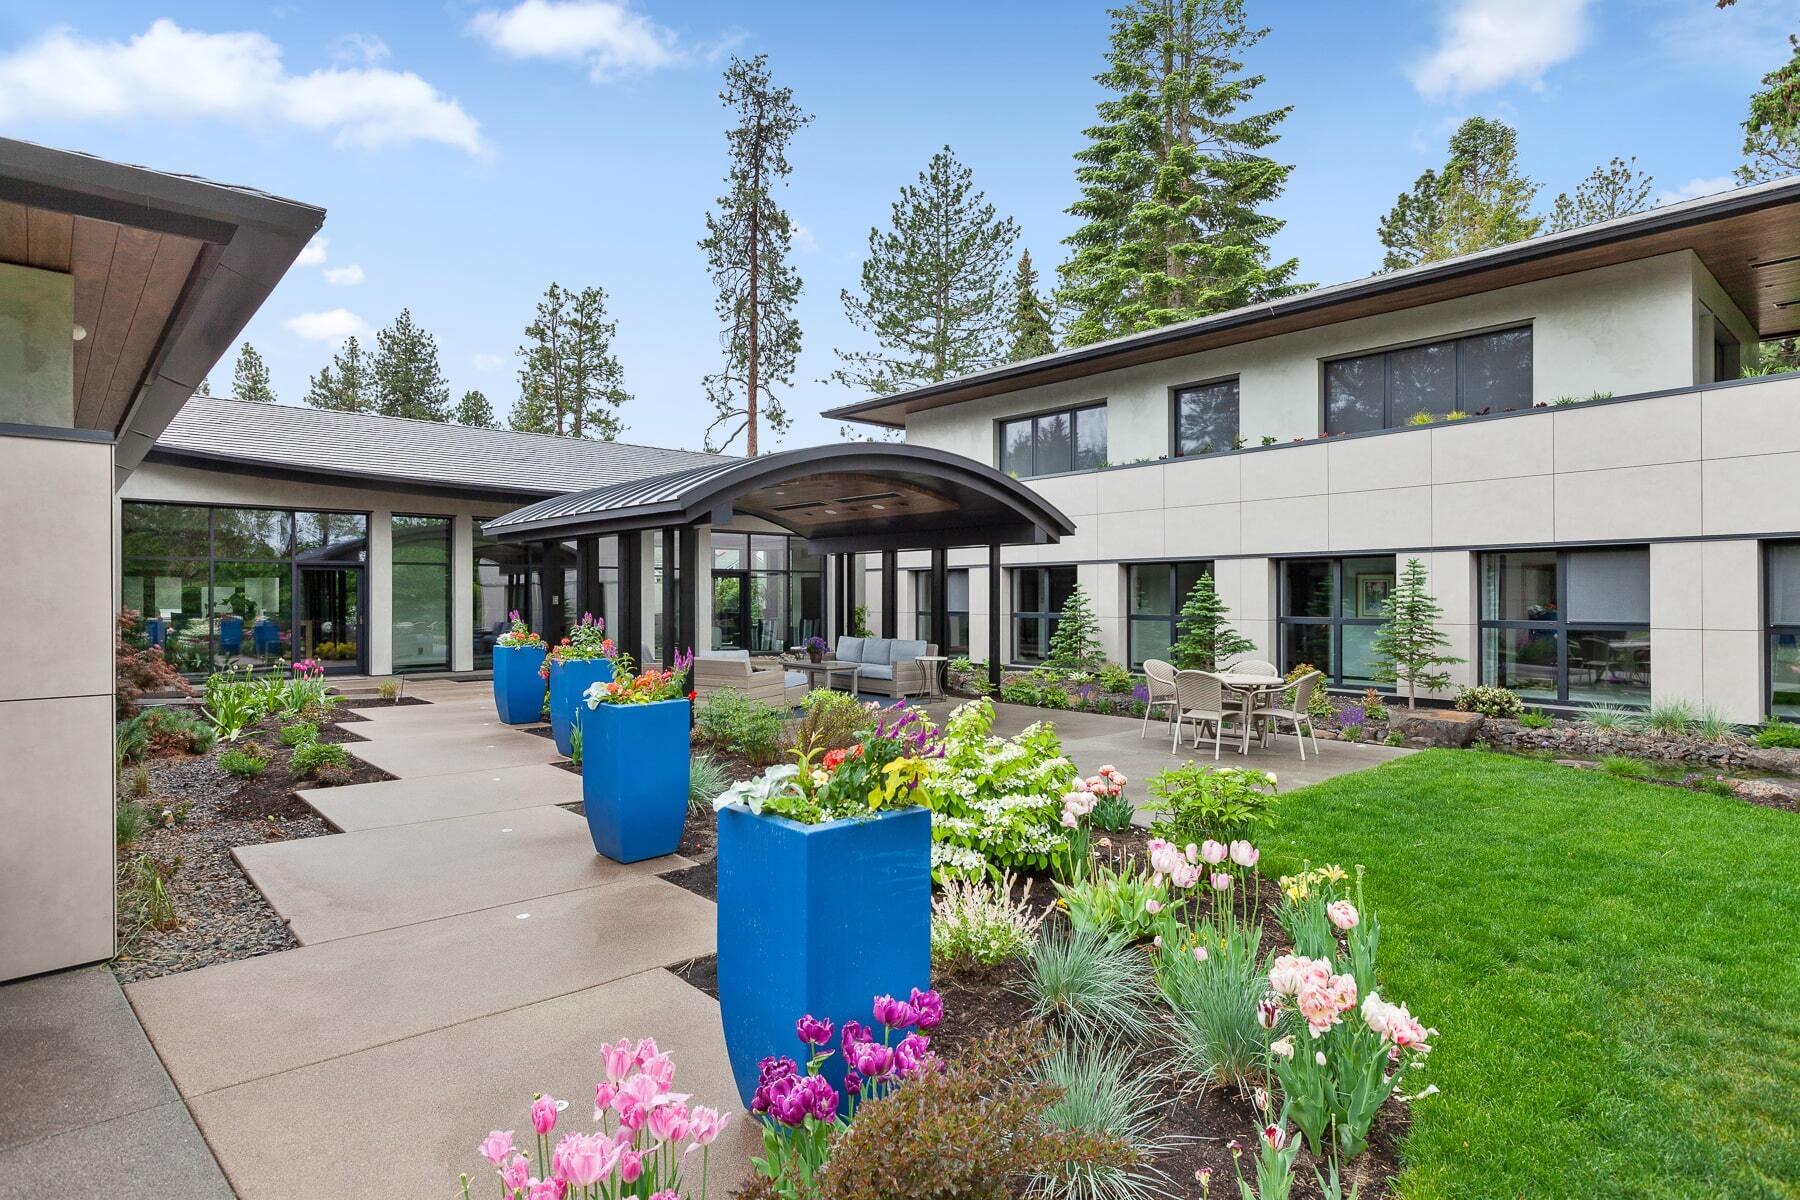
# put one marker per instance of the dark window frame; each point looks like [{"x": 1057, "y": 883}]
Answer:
[
  {"x": 1771, "y": 628},
  {"x": 1333, "y": 670},
  {"x": 1175, "y": 451},
  {"x": 1068, "y": 410},
  {"x": 1559, "y": 625},
  {"x": 449, "y": 521},
  {"x": 1177, "y": 598},
  {"x": 1045, "y": 620},
  {"x": 1386, "y": 353},
  {"x": 922, "y": 610}
]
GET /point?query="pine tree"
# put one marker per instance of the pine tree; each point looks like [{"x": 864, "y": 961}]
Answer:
[
  {"x": 250, "y": 378},
  {"x": 1408, "y": 645},
  {"x": 1772, "y": 130},
  {"x": 1031, "y": 327},
  {"x": 570, "y": 382},
  {"x": 1478, "y": 201},
  {"x": 205, "y": 388},
  {"x": 747, "y": 243},
  {"x": 1617, "y": 189},
  {"x": 1075, "y": 644},
  {"x": 1204, "y": 641},
  {"x": 1174, "y": 177},
  {"x": 474, "y": 411},
  {"x": 933, "y": 285},
  {"x": 344, "y": 384},
  {"x": 406, "y": 376}
]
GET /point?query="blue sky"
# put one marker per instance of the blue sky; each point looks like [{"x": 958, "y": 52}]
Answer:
[{"x": 470, "y": 153}]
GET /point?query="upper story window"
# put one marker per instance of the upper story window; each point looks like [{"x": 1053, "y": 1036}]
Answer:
[
  {"x": 1073, "y": 439},
  {"x": 1486, "y": 372},
  {"x": 1206, "y": 417}
]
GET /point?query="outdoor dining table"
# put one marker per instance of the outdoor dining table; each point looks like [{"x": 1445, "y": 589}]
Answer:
[{"x": 1247, "y": 686}]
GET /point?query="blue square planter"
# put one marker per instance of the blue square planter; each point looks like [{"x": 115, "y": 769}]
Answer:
[
  {"x": 634, "y": 777},
  {"x": 518, "y": 688},
  {"x": 569, "y": 681},
  {"x": 817, "y": 919}
]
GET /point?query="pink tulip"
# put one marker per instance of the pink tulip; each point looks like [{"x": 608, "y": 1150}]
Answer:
[
  {"x": 1276, "y": 1136},
  {"x": 603, "y": 1098},
  {"x": 585, "y": 1158},
  {"x": 1152, "y": 907},
  {"x": 618, "y": 1060},
  {"x": 706, "y": 1124},
  {"x": 646, "y": 1050},
  {"x": 544, "y": 1189},
  {"x": 1343, "y": 914},
  {"x": 631, "y": 1166},
  {"x": 669, "y": 1122},
  {"x": 543, "y": 1114},
  {"x": 1244, "y": 854},
  {"x": 661, "y": 1068},
  {"x": 1213, "y": 852},
  {"x": 1199, "y": 953},
  {"x": 514, "y": 1174},
  {"x": 496, "y": 1146},
  {"x": 1221, "y": 881}
]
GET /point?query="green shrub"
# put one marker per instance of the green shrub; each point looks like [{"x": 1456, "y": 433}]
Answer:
[
  {"x": 1608, "y": 718},
  {"x": 1020, "y": 693},
  {"x": 164, "y": 729},
  {"x": 1626, "y": 768},
  {"x": 1320, "y": 708},
  {"x": 130, "y": 819},
  {"x": 731, "y": 721},
  {"x": 1201, "y": 801},
  {"x": 1713, "y": 725},
  {"x": 1113, "y": 813},
  {"x": 299, "y": 733},
  {"x": 1490, "y": 701},
  {"x": 1396, "y": 738},
  {"x": 1213, "y": 1004},
  {"x": 977, "y": 923},
  {"x": 996, "y": 803},
  {"x": 1778, "y": 734},
  {"x": 318, "y": 760},
  {"x": 131, "y": 739},
  {"x": 1669, "y": 716},
  {"x": 1054, "y": 697},
  {"x": 1107, "y": 902},
  {"x": 1350, "y": 733},
  {"x": 1089, "y": 985},
  {"x": 246, "y": 762},
  {"x": 388, "y": 689},
  {"x": 1116, "y": 679},
  {"x": 1535, "y": 718},
  {"x": 707, "y": 777},
  {"x": 1374, "y": 707},
  {"x": 1100, "y": 1092},
  {"x": 830, "y": 720}
]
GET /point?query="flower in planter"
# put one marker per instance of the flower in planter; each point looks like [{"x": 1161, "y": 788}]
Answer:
[
  {"x": 646, "y": 687},
  {"x": 519, "y": 635}
]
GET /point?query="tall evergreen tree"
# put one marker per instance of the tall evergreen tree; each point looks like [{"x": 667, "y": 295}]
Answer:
[
  {"x": 1772, "y": 129},
  {"x": 570, "y": 382},
  {"x": 1174, "y": 177},
  {"x": 1031, "y": 326},
  {"x": 344, "y": 384},
  {"x": 1616, "y": 189},
  {"x": 250, "y": 378},
  {"x": 933, "y": 285},
  {"x": 747, "y": 243},
  {"x": 407, "y": 379},
  {"x": 1075, "y": 643},
  {"x": 474, "y": 411},
  {"x": 1479, "y": 200},
  {"x": 205, "y": 388},
  {"x": 1204, "y": 641},
  {"x": 1408, "y": 646}
]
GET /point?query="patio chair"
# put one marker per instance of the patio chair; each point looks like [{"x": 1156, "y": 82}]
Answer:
[
  {"x": 1253, "y": 666},
  {"x": 1297, "y": 715},
  {"x": 1159, "y": 682},
  {"x": 1200, "y": 698}
]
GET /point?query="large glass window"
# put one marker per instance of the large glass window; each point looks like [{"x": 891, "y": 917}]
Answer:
[
  {"x": 1330, "y": 612},
  {"x": 1039, "y": 594},
  {"x": 1071, "y": 440},
  {"x": 1483, "y": 373},
  {"x": 956, "y": 583},
  {"x": 1567, "y": 626},
  {"x": 1206, "y": 417},
  {"x": 768, "y": 592},
  {"x": 1782, "y": 571},
  {"x": 421, "y": 596},
  {"x": 502, "y": 578},
  {"x": 220, "y": 587},
  {"x": 1157, "y": 592}
]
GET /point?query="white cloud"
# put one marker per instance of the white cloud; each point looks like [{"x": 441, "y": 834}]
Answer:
[
  {"x": 1742, "y": 41},
  {"x": 348, "y": 276},
  {"x": 1694, "y": 188},
  {"x": 804, "y": 241},
  {"x": 608, "y": 36},
  {"x": 333, "y": 325},
  {"x": 168, "y": 72},
  {"x": 314, "y": 253},
  {"x": 1485, "y": 44},
  {"x": 486, "y": 362},
  {"x": 360, "y": 48}
]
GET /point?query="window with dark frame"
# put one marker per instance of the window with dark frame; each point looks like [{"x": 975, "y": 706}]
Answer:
[
  {"x": 1039, "y": 594},
  {"x": 1206, "y": 417},
  {"x": 1330, "y": 611},
  {"x": 1155, "y": 594},
  {"x": 1567, "y": 626},
  {"x": 1479, "y": 373},
  {"x": 1781, "y": 604},
  {"x": 956, "y": 583},
  {"x": 1071, "y": 439},
  {"x": 420, "y": 604}
]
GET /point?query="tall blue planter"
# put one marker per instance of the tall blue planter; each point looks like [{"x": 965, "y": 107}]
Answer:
[
  {"x": 569, "y": 681},
  {"x": 518, "y": 688},
  {"x": 817, "y": 919},
  {"x": 634, "y": 777}
]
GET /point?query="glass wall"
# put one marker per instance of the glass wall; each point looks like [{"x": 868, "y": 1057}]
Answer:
[
  {"x": 502, "y": 584},
  {"x": 1206, "y": 418},
  {"x": 421, "y": 601},
  {"x": 220, "y": 587},
  {"x": 1567, "y": 626},
  {"x": 1039, "y": 594},
  {"x": 956, "y": 583},
  {"x": 1330, "y": 611},
  {"x": 1157, "y": 592},
  {"x": 1484, "y": 373},
  {"x": 1782, "y": 570},
  {"x": 768, "y": 592},
  {"x": 1071, "y": 440}
]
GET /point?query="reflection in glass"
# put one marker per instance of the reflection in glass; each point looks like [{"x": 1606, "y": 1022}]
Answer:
[
  {"x": 421, "y": 593},
  {"x": 252, "y": 533},
  {"x": 331, "y": 537},
  {"x": 1784, "y": 675},
  {"x": 171, "y": 598},
  {"x": 1519, "y": 586},
  {"x": 251, "y": 606},
  {"x": 1496, "y": 371},
  {"x": 502, "y": 575},
  {"x": 1054, "y": 443},
  {"x": 1609, "y": 666},
  {"x": 1309, "y": 644},
  {"x": 1206, "y": 418},
  {"x": 164, "y": 531},
  {"x": 1524, "y": 660},
  {"x": 1306, "y": 587},
  {"x": 1421, "y": 379},
  {"x": 1355, "y": 394}
]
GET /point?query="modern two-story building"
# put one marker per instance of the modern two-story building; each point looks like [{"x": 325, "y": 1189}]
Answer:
[{"x": 1558, "y": 429}]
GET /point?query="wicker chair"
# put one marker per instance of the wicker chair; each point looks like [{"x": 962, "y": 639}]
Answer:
[
  {"x": 1253, "y": 666},
  {"x": 1297, "y": 715},
  {"x": 1200, "y": 698},
  {"x": 1159, "y": 681}
]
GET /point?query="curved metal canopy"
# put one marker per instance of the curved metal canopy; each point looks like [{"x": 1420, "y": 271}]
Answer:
[{"x": 857, "y": 496}]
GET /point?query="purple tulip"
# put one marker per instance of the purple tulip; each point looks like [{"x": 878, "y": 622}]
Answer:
[
  {"x": 813, "y": 1031},
  {"x": 911, "y": 1055},
  {"x": 855, "y": 1033},
  {"x": 930, "y": 1007},
  {"x": 895, "y": 1014},
  {"x": 873, "y": 1060}
]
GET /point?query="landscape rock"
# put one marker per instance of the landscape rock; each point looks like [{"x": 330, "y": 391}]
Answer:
[{"x": 1440, "y": 727}]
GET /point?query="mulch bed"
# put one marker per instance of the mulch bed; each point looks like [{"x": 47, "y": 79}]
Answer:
[{"x": 222, "y": 917}]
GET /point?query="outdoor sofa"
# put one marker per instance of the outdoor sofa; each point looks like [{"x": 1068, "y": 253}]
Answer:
[
  {"x": 890, "y": 666},
  {"x": 732, "y": 670}
]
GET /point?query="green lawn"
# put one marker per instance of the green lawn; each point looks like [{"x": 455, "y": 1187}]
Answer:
[{"x": 1614, "y": 968}]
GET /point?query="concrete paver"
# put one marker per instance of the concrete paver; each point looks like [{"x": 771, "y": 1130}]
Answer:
[
  {"x": 353, "y": 883},
  {"x": 452, "y": 752},
  {"x": 153, "y": 1154},
  {"x": 234, "y": 1022},
  {"x": 436, "y": 797},
  {"x": 402, "y": 1119}
]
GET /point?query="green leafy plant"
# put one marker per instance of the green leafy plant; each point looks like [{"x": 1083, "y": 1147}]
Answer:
[
  {"x": 1021, "y": 693},
  {"x": 1100, "y": 1093},
  {"x": 388, "y": 689},
  {"x": 1203, "y": 637},
  {"x": 318, "y": 760},
  {"x": 1116, "y": 680},
  {"x": 731, "y": 721},
  {"x": 1374, "y": 707},
  {"x": 1456, "y": 414},
  {"x": 1110, "y": 901},
  {"x": 1089, "y": 984},
  {"x": 1320, "y": 708},
  {"x": 830, "y": 720},
  {"x": 707, "y": 777},
  {"x": 859, "y": 622},
  {"x": 1535, "y": 718},
  {"x": 131, "y": 740},
  {"x": 1778, "y": 734},
  {"x": 1113, "y": 812},
  {"x": 246, "y": 762},
  {"x": 1421, "y": 418},
  {"x": 1054, "y": 697},
  {"x": 979, "y": 923},
  {"x": 1204, "y": 801},
  {"x": 299, "y": 733},
  {"x": 1669, "y": 717},
  {"x": 1396, "y": 738},
  {"x": 1350, "y": 733},
  {"x": 1075, "y": 643},
  {"x": 1490, "y": 701},
  {"x": 230, "y": 705},
  {"x": 130, "y": 819}
]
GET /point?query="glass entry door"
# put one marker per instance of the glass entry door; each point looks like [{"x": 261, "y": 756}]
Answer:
[
  {"x": 731, "y": 597},
  {"x": 329, "y": 628}
]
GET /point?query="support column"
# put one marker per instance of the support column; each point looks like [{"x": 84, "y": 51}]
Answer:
[
  {"x": 630, "y": 632},
  {"x": 890, "y": 593},
  {"x": 462, "y": 594},
  {"x": 687, "y": 597},
  {"x": 380, "y": 575},
  {"x": 939, "y": 582},
  {"x": 670, "y": 598},
  {"x": 993, "y": 573}
]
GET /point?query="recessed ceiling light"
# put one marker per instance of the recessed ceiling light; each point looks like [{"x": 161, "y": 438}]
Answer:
[
  {"x": 831, "y": 512},
  {"x": 877, "y": 506},
  {"x": 79, "y": 332}
]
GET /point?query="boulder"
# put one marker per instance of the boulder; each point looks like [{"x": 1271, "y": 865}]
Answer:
[{"x": 1440, "y": 727}]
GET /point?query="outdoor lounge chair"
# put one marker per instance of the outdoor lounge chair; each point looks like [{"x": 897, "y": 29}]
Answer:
[
  {"x": 1297, "y": 716},
  {"x": 890, "y": 666},
  {"x": 1159, "y": 682},
  {"x": 732, "y": 670},
  {"x": 1200, "y": 698}
]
